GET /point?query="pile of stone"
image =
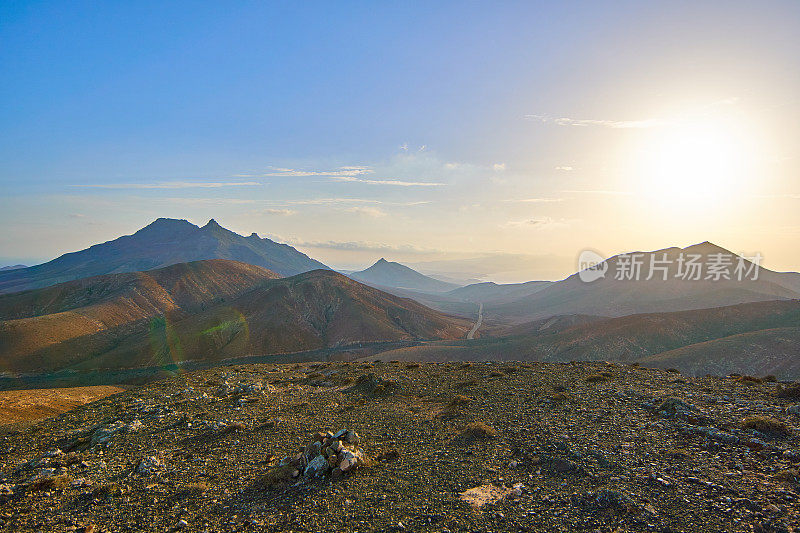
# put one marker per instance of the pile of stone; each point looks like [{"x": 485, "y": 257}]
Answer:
[{"x": 333, "y": 453}]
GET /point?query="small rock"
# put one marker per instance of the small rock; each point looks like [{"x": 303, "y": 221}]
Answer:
[{"x": 149, "y": 465}]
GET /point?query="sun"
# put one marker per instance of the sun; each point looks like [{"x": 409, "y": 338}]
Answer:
[{"x": 694, "y": 163}]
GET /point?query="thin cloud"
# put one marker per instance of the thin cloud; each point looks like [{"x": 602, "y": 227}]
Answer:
[
  {"x": 536, "y": 200},
  {"x": 499, "y": 167},
  {"x": 598, "y": 191},
  {"x": 538, "y": 223},
  {"x": 170, "y": 185},
  {"x": 280, "y": 212},
  {"x": 565, "y": 168},
  {"x": 390, "y": 182},
  {"x": 361, "y": 246},
  {"x": 373, "y": 212},
  {"x": 339, "y": 201},
  {"x": 616, "y": 124}
]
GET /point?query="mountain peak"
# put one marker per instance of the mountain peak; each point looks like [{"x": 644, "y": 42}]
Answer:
[
  {"x": 254, "y": 235},
  {"x": 381, "y": 261},
  {"x": 212, "y": 224}
]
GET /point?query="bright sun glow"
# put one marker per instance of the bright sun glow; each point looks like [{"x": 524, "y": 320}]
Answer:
[{"x": 690, "y": 164}]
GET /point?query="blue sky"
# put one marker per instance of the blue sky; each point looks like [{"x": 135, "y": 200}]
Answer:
[{"x": 415, "y": 131}]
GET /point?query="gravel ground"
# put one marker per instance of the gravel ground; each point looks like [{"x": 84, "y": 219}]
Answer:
[{"x": 557, "y": 447}]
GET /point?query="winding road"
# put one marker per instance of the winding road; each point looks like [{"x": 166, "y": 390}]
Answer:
[{"x": 471, "y": 333}]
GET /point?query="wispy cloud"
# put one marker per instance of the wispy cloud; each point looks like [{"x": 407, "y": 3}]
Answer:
[
  {"x": 389, "y": 182},
  {"x": 352, "y": 170},
  {"x": 199, "y": 201},
  {"x": 373, "y": 212},
  {"x": 536, "y": 200},
  {"x": 170, "y": 185},
  {"x": 499, "y": 167},
  {"x": 634, "y": 124},
  {"x": 616, "y": 124},
  {"x": 564, "y": 168},
  {"x": 360, "y": 246},
  {"x": 538, "y": 223},
  {"x": 279, "y": 212},
  {"x": 598, "y": 191},
  {"x": 340, "y": 201}
]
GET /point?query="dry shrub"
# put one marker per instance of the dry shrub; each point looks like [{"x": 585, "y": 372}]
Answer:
[
  {"x": 467, "y": 383},
  {"x": 749, "y": 380},
  {"x": 276, "y": 476},
  {"x": 459, "y": 400},
  {"x": 496, "y": 374},
  {"x": 673, "y": 371},
  {"x": 791, "y": 475},
  {"x": 478, "y": 430},
  {"x": 232, "y": 427},
  {"x": 465, "y": 365},
  {"x": 509, "y": 369},
  {"x": 107, "y": 490},
  {"x": 560, "y": 397},
  {"x": 765, "y": 425},
  {"x": 411, "y": 366},
  {"x": 315, "y": 376},
  {"x": 770, "y": 378},
  {"x": 595, "y": 378},
  {"x": 50, "y": 483},
  {"x": 791, "y": 391},
  {"x": 195, "y": 489}
]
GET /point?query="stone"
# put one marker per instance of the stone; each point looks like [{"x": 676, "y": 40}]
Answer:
[
  {"x": 182, "y": 524},
  {"x": 6, "y": 490},
  {"x": 351, "y": 437},
  {"x": 339, "y": 434},
  {"x": 317, "y": 466},
  {"x": 793, "y": 409},
  {"x": 149, "y": 465}
]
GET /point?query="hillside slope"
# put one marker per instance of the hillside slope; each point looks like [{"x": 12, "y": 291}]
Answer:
[
  {"x": 161, "y": 318},
  {"x": 162, "y": 243},
  {"x": 757, "y": 337}
]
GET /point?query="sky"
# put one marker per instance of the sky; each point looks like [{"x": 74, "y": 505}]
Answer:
[{"x": 490, "y": 139}]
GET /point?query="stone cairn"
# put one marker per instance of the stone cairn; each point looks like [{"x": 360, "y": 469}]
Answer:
[{"x": 327, "y": 452}]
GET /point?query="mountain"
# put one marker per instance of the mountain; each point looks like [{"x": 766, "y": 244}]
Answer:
[
  {"x": 162, "y": 243},
  {"x": 394, "y": 275},
  {"x": 757, "y": 338},
  {"x": 609, "y": 296},
  {"x": 206, "y": 310},
  {"x": 12, "y": 267},
  {"x": 490, "y": 292}
]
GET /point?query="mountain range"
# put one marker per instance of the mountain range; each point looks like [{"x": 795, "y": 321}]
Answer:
[
  {"x": 205, "y": 310},
  {"x": 175, "y": 292},
  {"x": 162, "y": 243}
]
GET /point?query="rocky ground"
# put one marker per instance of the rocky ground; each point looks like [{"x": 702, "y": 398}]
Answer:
[{"x": 439, "y": 447}]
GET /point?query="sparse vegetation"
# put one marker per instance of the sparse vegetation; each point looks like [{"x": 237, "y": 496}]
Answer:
[
  {"x": 765, "y": 425},
  {"x": 770, "y": 378},
  {"x": 411, "y": 366},
  {"x": 791, "y": 391},
  {"x": 596, "y": 378},
  {"x": 50, "y": 483},
  {"x": 478, "y": 430},
  {"x": 459, "y": 400},
  {"x": 749, "y": 380},
  {"x": 107, "y": 490}
]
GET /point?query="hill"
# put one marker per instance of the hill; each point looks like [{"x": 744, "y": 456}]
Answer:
[
  {"x": 667, "y": 291},
  {"x": 394, "y": 275},
  {"x": 209, "y": 310},
  {"x": 493, "y": 293},
  {"x": 12, "y": 267},
  {"x": 758, "y": 338},
  {"x": 550, "y": 447},
  {"x": 162, "y": 243}
]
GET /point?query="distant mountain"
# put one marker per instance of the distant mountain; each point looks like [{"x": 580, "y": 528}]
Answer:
[
  {"x": 162, "y": 243},
  {"x": 206, "y": 310},
  {"x": 390, "y": 274},
  {"x": 611, "y": 297},
  {"x": 756, "y": 338},
  {"x": 12, "y": 267},
  {"x": 490, "y": 292}
]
